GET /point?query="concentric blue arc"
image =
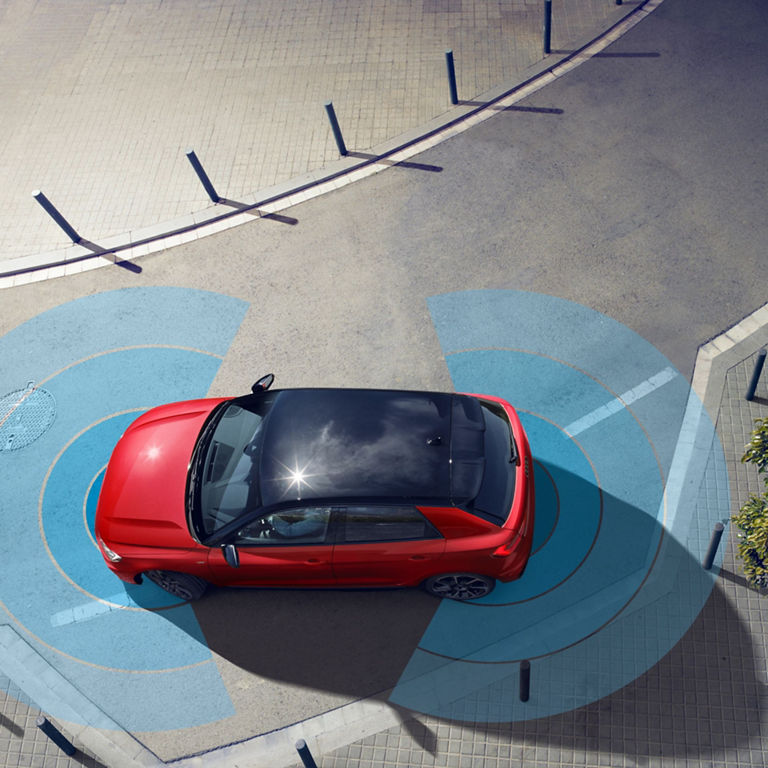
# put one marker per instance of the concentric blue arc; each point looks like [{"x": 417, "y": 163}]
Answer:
[
  {"x": 598, "y": 605},
  {"x": 133, "y": 650}
]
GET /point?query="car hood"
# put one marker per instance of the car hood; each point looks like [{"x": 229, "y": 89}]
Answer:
[{"x": 142, "y": 498}]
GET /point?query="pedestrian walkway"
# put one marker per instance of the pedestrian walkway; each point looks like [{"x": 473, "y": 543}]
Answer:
[
  {"x": 102, "y": 99},
  {"x": 22, "y": 744}
]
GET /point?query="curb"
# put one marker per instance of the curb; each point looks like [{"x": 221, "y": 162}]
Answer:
[
  {"x": 722, "y": 352},
  {"x": 82, "y": 720},
  {"x": 323, "y": 733}
]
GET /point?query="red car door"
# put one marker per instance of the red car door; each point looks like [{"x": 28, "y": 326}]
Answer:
[
  {"x": 385, "y": 545},
  {"x": 289, "y": 548}
]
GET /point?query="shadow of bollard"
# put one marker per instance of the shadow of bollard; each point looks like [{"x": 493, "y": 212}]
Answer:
[{"x": 53, "y": 212}]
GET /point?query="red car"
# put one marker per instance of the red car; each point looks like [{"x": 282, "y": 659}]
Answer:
[{"x": 321, "y": 488}]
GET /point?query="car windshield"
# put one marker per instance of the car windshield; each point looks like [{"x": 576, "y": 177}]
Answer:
[{"x": 224, "y": 472}]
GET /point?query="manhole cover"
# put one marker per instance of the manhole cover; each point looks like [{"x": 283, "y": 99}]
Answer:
[{"x": 25, "y": 414}]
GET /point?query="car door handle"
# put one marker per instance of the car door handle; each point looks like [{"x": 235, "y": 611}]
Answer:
[
  {"x": 314, "y": 561},
  {"x": 418, "y": 557}
]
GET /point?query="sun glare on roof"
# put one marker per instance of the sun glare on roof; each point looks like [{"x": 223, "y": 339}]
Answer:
[{"x": 297, "y": 477}]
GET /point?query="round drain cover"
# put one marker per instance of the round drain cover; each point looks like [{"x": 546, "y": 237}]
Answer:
[{"x": 25, "y": 414}]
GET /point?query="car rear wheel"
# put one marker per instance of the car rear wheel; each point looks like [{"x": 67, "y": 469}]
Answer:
[
  {"x": 460, "y": 586},
  {"x": 182, "y": 585}
]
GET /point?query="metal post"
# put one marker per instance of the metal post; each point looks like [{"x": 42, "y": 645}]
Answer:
[
  {"x": 50, "y": 209},
  {"x": 756, "y": 374},
  {"x": 202, "y": 175},
  {"x": 305, "y": 754},
  {"x": 714, "y": 543},
  {"x": 451, "y": 76},
  {"x": 525, "y": 680},
  {"x": 547, "y": 26},
  {"x": 55, "y": 735},
  {"x": 335, "y": 128}
]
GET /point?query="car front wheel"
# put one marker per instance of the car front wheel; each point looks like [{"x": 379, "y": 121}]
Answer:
[
  {"x": 459, "y": 586},
  {"x": 182, "y": 585}
]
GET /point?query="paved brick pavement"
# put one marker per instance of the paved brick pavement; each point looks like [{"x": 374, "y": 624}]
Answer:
[
  {"x": 21, "y": 742},
  {"x": 102, "y": 97}
]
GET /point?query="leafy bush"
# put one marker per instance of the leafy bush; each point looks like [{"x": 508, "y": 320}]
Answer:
[{"x": 752, "y": 518}]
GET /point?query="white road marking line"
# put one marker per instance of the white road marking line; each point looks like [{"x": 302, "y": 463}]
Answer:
[
  {"x": 92, "y": 609},
  {"x": 627, "y": 398}
]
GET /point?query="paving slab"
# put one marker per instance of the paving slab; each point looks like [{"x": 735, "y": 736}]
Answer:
[{"x": 104, "y": 98}]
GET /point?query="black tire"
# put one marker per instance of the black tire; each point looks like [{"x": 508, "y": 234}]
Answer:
[
  {"x": 459, "y": 586},
  {"x": 182, "y": 585}
]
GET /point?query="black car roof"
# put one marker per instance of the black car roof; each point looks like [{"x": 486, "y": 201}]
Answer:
[{"x": 353, "y": 443}]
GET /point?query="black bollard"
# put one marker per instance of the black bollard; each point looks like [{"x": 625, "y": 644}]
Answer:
[
  {"x": 55, "y": 735},
  {"x": 335, "y": 128},
  {"x": 547, "y": 26},
  {"x": 451, "y": 76},
  {"x": 525, "y": 680},
  {"x": 202, "y": 175},
  {"x": 714, "y": 543},
  {"x": 758, "y": 369},
  {"x": 305, "y": 754}
]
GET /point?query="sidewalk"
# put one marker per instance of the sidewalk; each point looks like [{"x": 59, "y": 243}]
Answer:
[
  {"x": 22, "y": 743},
  {"x": 103, "y": 99}
]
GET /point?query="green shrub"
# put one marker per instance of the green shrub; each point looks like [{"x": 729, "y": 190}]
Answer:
[{"x": 752, "y": 518}]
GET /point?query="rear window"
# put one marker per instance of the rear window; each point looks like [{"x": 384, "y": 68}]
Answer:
[{"x": 497, "y": 488}]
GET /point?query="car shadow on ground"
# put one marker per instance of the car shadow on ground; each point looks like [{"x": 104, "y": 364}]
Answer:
[
  {"x": 354, "y": 642},
  {"x": 703, "y": 702},
  {"x": 702, "y": 697}
]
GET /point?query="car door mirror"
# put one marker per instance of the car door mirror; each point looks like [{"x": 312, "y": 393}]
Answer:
[
  {"x": 263, "y": 384},
  {"x": 231, "y": 555}
]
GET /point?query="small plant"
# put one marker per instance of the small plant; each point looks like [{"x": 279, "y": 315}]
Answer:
[
  {"x": 757, "y": 449},
  {"x": 752, "y": 518}
]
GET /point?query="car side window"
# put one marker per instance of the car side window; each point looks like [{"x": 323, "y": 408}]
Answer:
[
  {"x": 385, "y": 523},
  {"x": 289, "y": 527}
]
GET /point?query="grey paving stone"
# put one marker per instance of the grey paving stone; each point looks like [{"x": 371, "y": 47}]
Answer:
[
  {"x": 102, "y": 97},
  {"x": 22, "y": 743}
]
